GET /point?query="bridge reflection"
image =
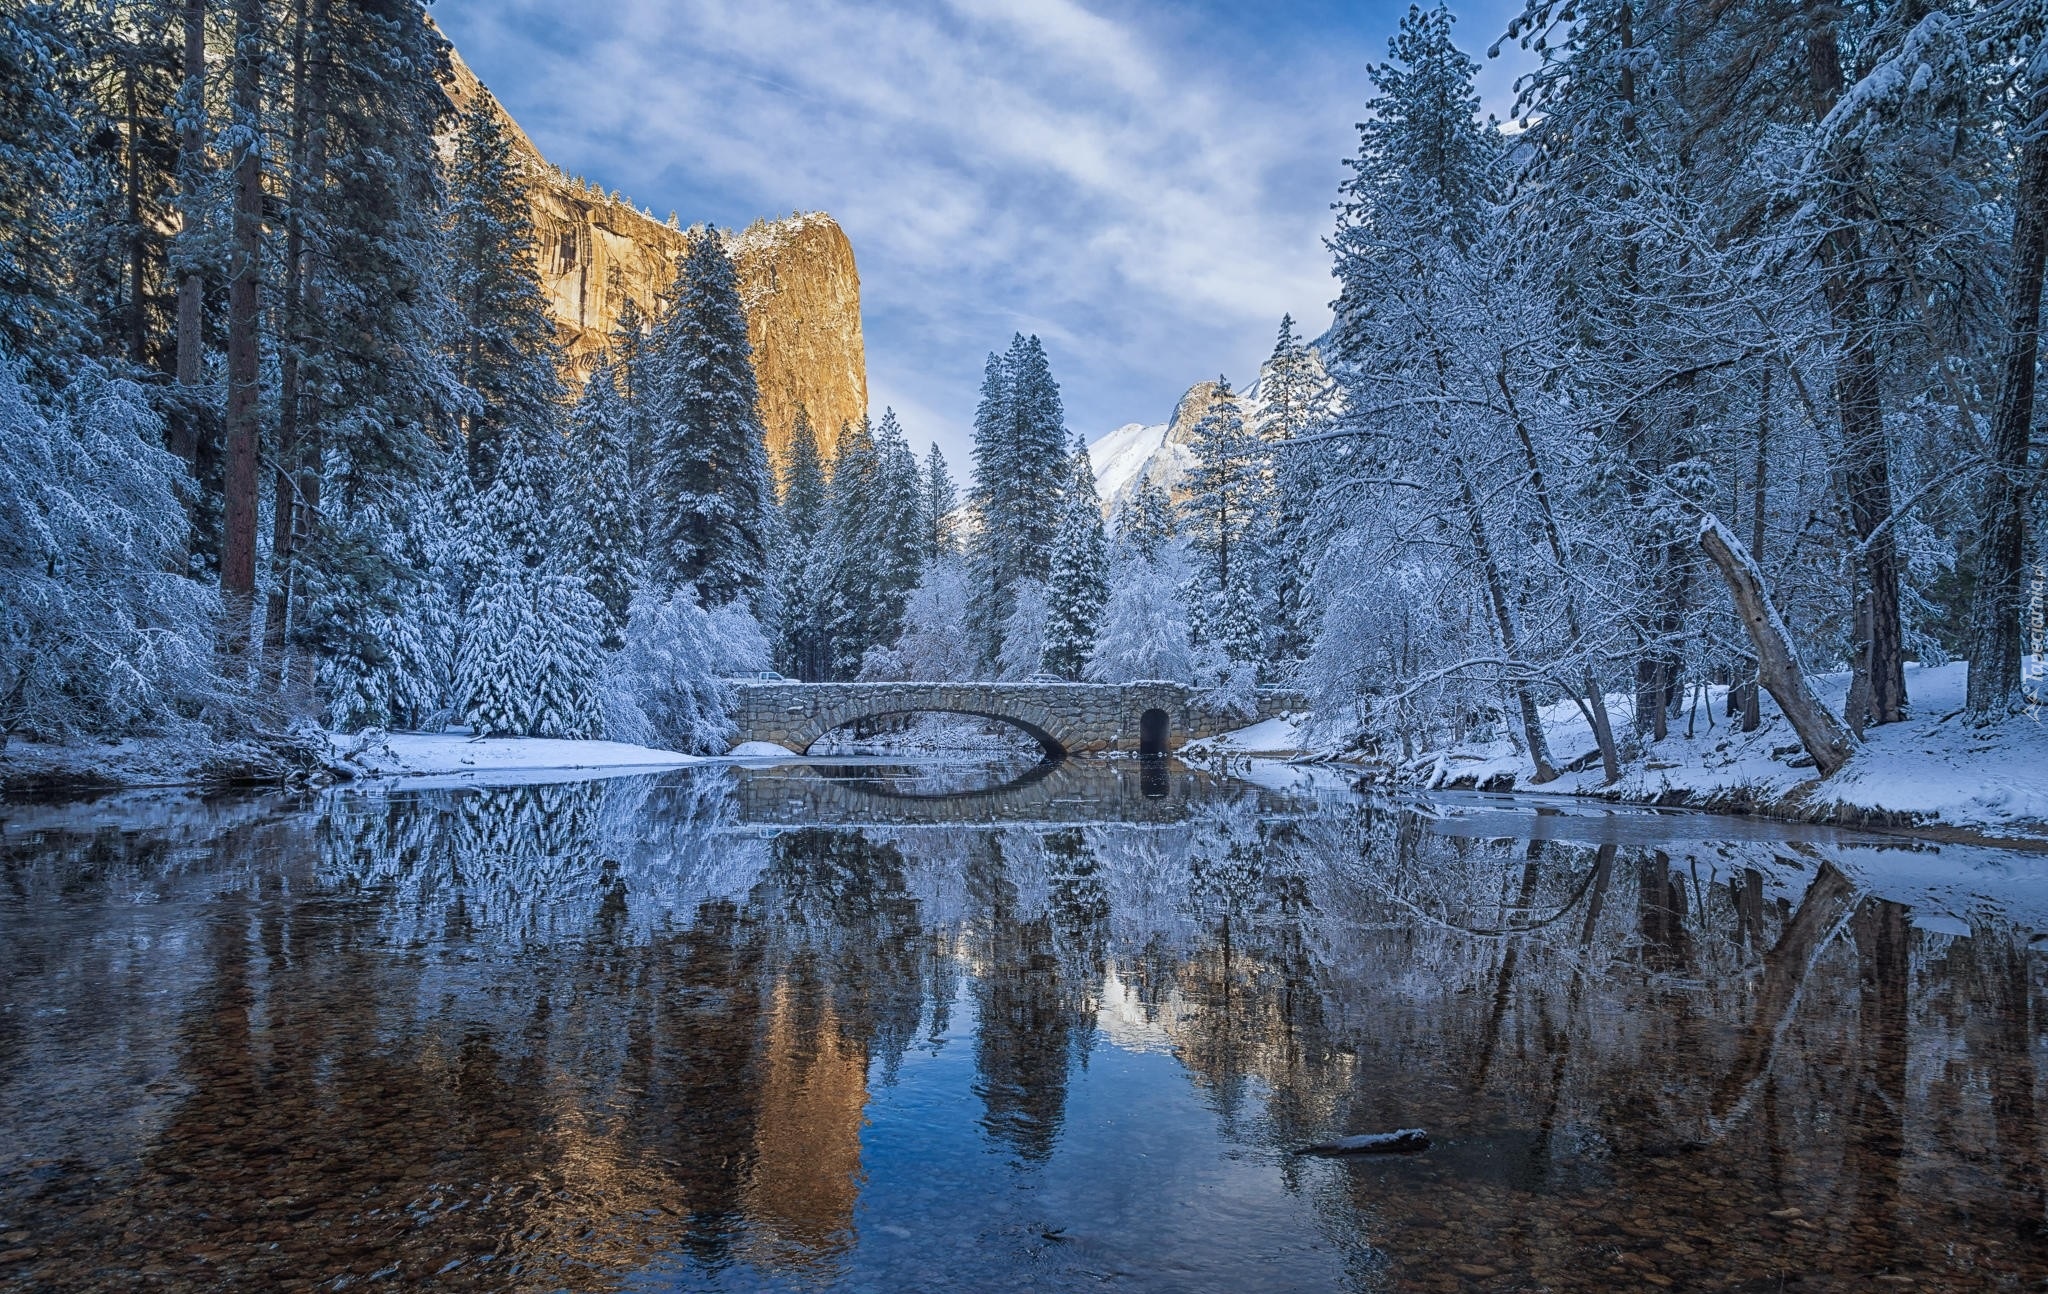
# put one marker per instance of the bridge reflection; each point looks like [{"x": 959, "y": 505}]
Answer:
[{"x": 907, "y": 794}]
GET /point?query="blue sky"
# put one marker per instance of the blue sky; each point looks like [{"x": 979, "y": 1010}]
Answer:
[{"x": 1144, "y": 185}]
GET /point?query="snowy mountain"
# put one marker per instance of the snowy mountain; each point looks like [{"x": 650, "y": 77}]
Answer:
[
  {"x": 1158, "y": 453},
  {"x": 1120, "y": 456},
  {"x": 1136, "y": 454}
]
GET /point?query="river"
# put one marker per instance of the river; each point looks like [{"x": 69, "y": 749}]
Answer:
[{"x": 886, "y": 1028}]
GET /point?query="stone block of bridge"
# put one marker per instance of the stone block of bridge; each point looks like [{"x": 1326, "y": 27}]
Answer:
[{"x": 1065, "y": 718}]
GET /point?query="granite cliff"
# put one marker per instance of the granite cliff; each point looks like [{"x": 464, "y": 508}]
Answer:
[{"x": 596, "y": 251}]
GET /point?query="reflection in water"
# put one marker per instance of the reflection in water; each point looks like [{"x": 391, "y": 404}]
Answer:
[{"x": 660, "y": 1032}]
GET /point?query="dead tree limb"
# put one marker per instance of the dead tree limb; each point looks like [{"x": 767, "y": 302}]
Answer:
[{"x": 1824, "y": 736}]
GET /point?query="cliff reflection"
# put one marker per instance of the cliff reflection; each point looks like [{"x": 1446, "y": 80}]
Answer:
[{"x": 548, "y": 1037}]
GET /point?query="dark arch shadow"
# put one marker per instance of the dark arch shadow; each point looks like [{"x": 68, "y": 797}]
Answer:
[
  {"x": 1155, "y": 726},
  {"x": 1048, "y": 743}
]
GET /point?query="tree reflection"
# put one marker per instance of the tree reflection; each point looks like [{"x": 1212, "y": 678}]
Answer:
[
  {"x": 552, "y": 1035},
  {"x": 1023, "y": 1027}
]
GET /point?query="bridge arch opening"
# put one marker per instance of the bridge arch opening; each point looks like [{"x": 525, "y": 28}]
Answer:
[
  {"x": 1049, "y": 745},
  {"x": 1154, "y": 726}
]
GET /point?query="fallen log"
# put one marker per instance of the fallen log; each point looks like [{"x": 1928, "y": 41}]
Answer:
[
  {"x": 1404, "y": 1142},
  {"x": 1819, "y": 731}
]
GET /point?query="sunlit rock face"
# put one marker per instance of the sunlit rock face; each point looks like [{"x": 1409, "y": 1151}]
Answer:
[
  {"x": 596, "y": 251},
  {"x": 802, "y": 293}
]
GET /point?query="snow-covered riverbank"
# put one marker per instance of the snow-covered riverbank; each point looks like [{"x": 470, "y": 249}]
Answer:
[
  {"x": 405, "y": 754},
  {"x": 1933, "y": 770},
  {"x": 35, "y": 770}
]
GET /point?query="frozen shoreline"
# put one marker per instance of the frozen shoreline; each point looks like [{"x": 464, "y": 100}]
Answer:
[
  {"x": 1931, "y": 772},
  {"x": 33, "y": 770}
]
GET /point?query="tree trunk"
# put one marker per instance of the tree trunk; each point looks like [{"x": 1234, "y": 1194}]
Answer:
[
  {"x": 138, "y": 243},
  {"x": 1777, "y": 659},
  {"x": 192, "y": 287},
  {"x": 238, "y": 539},
  {"x": 300, "y": 300},
  {"x": 1596, "y": 693},
  {"x": 1758, "y": 506},
  {"x": 1877, "y": 685},
  {"x": 1504, "y": 620},
  {"x": 1746, "y": 699},
  {"x": 1995, "y": 648}
]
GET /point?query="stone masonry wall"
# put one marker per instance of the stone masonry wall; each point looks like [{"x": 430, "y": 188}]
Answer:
[{"x": 1069, "y": 718}]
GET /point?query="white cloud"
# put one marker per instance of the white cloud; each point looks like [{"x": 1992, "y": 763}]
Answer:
[{"x": 1147, "y": 206}]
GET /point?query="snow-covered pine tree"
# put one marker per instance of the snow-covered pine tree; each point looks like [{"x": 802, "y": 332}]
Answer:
[
  {"x": 1144, "y": 522},
  {"x": 711, "y": 492},
  {"x": 940, "y": 498},
  {"x": 126, "y": 90},
  {"x": 381, "y": 627},
  {"x": 1020, "y": 452},
  {"x": 989, "y": 560},
  {"x": 1038, "y": 459},
  {"x": 803, "y": 564},
  {"x": 600, "y": 517},
  {"x": 1079, "y": 582},
  {"x": 873, "y": 543},
  {"x": 1225, "y": 517},
  {"x": 505, "y": 349},
  {"x": 99, "y": 630},
  {"x": 369, "y": 403},
  {"x": 898, "y": 533},
  {"x": 41, "y": 323},
  {"x": 1296, "y": 398},
  {"x": 804, "y": 482},
  {"x": 847, "y": 607},
  {"x": 531, "y": 662},
  {"x": 629, "y": 354}
]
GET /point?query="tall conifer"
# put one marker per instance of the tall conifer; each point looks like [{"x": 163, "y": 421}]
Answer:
[
  {"x": 506, "y": 351},
  {"x": 710, "y": 511},
  {"x": 1079, "y": 581},
  {"x": 601, "y": 520}
]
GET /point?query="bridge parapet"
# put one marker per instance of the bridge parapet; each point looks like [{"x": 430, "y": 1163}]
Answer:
[{"x": 1076, "y": 718}]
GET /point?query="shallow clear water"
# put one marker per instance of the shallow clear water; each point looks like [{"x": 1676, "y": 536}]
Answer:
[{"x": 873, "y": 1028}]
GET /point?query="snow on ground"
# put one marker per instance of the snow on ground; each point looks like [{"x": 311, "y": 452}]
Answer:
[
  {"x": 1943, "y": 767},
  {"x": 407, "y": 754},
  {"x": 1933, "y": 767},
  {"x": 1281, "y": 736},
  {"x": 761, "y": 750}
]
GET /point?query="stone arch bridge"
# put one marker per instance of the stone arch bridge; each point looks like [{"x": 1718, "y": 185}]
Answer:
[{"x": 1065, "y": 718}]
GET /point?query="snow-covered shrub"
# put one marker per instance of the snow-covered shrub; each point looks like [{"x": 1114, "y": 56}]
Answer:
[
  {"x": 1389, "y": 657},
  {"x": 1144, "y": 626},
  {"x": 98, "y": 630},
  {"x": 1227, "y": 684},
  {"x": 932, "y": 647},
  {"x": 668, "y": 685}
]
